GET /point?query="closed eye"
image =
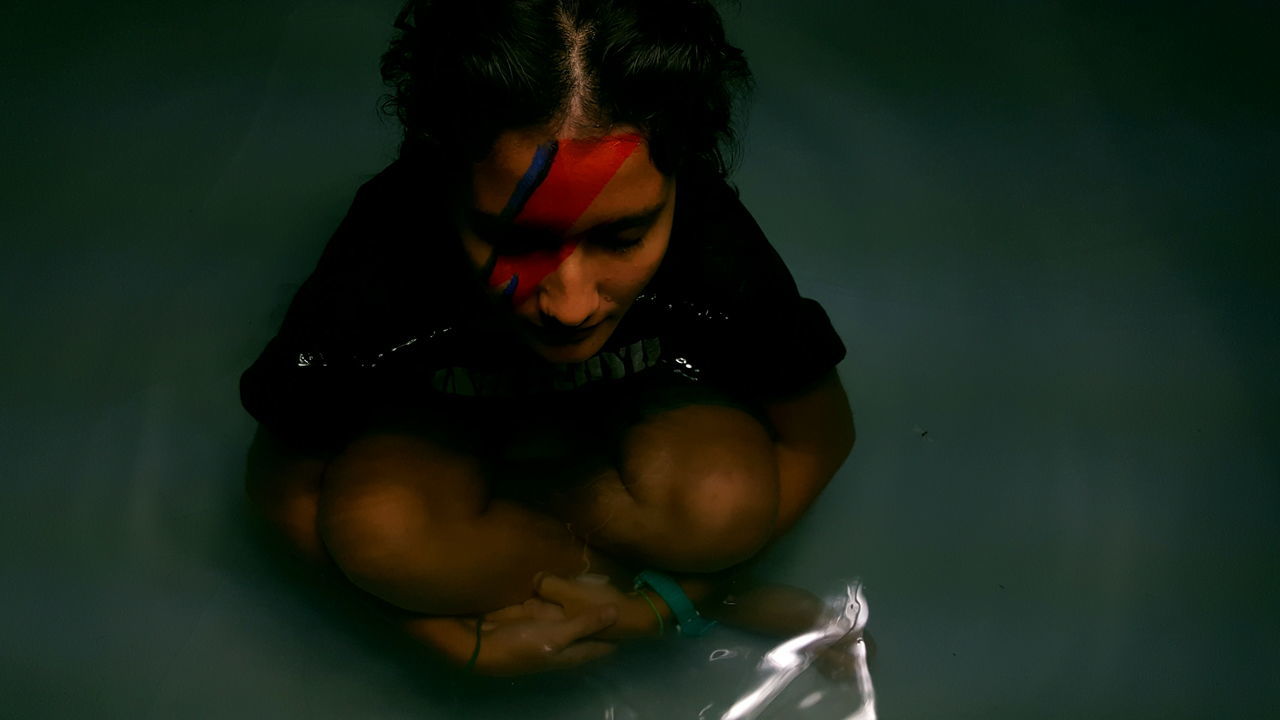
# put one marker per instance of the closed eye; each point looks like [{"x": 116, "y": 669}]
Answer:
[
  {"x": 518, "y": 242},
  {"x": 618, "y": 244},
  {"x": 521, "y": 242},
  {"x": 619, "y": 235}
]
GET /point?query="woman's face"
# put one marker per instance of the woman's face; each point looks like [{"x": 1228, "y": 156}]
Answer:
[{"x": 566, "y": 232}]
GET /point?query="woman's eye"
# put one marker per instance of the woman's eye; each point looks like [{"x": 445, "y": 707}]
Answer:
[
  {"x": 519, "y": 243},
  {"x": 619, "y": 243}
]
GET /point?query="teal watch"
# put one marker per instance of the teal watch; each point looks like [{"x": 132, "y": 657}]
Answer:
[{"x": 688, "y": 621}]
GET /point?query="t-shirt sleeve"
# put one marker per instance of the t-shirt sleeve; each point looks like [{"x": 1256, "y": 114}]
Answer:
[{"x": 770, "y": 342}]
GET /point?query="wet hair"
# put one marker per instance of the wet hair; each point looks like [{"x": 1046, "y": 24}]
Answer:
[{"x": 463, "y": 71}]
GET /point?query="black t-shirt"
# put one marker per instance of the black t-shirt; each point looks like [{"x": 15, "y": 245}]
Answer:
[{"x": 393, "y": 316}]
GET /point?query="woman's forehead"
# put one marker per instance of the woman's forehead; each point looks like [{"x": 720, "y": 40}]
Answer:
[{"x": 591, "y": 178}]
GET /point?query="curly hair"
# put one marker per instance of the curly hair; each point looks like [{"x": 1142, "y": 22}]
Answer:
[{"x": 463, "y": 71}]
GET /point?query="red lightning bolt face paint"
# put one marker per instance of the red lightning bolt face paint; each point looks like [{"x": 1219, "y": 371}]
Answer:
[{"x": 554, "y": 198}]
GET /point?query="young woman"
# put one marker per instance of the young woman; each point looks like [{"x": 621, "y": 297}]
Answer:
[{"x": 548, "y": 351}]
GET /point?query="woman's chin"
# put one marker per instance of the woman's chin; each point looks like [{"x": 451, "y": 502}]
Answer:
[{"x": 571, "y": 353}]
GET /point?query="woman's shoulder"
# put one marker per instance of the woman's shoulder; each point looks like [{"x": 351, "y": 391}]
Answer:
[
  {"x": 718, "y": 251},
  {"x": 395, "y": 193},
  {"x": 398, "y": 220},
  {"x": 390, "y": 263}
]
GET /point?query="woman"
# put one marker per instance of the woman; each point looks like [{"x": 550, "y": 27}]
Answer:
[{"x": 548, "y": 351}]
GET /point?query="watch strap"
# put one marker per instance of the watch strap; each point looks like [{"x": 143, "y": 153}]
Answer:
[{"x": 688, "y": 621}]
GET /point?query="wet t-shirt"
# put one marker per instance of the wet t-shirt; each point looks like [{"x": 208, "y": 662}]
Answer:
[{"x": 394, "y": 317}]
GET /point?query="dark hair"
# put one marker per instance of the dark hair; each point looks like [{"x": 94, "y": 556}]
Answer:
[{"x": 463, "y": 71}]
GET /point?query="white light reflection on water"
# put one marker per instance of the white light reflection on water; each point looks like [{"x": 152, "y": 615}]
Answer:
[
  {"x": 810, "y": 700},
  {"x": 721, "y": 654},
  {"x": 784, "y": 663}
]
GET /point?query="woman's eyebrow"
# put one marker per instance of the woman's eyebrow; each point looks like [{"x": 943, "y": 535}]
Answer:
[
  {"x": 643, "y": 218},
  {"x": 484, "y": 222}
]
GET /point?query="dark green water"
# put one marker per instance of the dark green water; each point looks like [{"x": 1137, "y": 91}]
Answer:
[{"x": 1045, "y": 231}]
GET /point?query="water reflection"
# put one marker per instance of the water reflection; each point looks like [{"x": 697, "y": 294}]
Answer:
[{"x": 843, "y": 633}]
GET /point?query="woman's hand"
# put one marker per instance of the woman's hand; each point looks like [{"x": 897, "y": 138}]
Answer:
[
  {"x": 586, "y": 594},
  {"x": 534, "y": 636}
]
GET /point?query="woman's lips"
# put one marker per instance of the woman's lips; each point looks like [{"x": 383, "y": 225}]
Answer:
[{"x": 564, "y": 337}]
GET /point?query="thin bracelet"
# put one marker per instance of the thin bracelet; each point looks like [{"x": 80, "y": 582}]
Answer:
[
  {"x": 475, "y": 654},
  {"x": 662, "y": 626}
]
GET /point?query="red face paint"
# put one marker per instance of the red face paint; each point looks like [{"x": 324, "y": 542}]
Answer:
[{"x": 578, "y": 173}]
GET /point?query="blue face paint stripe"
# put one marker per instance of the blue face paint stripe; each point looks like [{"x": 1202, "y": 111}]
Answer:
[
  {"x": 533, "y": 177},
  {"x": 511, "y": 286},
  {"x": 487, "y": 271}
]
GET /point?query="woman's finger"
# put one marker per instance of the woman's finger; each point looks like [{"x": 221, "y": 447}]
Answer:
[
  {"x": 507, "y": 613},
  {"x": 540, "y": 609},
  {"x": 585, "y": 625},
  {"x": 564, "y": 592},
  {"x": 533, "y": 608},
  {"x": 553, "y": 588}
]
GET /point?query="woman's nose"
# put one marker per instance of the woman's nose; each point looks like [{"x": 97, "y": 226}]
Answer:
[{"x": 569, "y": 295}]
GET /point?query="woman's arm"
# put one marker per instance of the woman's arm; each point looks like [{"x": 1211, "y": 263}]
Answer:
[
  {"x": 815, "y": 436},
  {"x": 282, "y": 484}
]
